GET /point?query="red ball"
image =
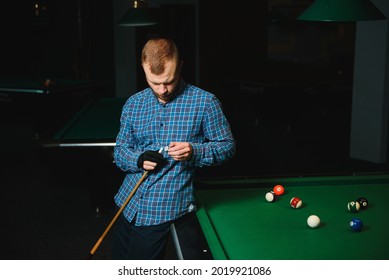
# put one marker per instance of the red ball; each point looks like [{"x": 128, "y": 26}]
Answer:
[
  {"x": 278, "y": 189},
  {"x": 296, "y": 202}
]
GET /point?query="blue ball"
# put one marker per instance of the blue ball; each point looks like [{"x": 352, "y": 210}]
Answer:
[{"x": 356, "y": 224}]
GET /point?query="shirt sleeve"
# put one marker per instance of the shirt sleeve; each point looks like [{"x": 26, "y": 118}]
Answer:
[
  {"x": 125, "y": 153},
  {"x": 219, "y": 145}
]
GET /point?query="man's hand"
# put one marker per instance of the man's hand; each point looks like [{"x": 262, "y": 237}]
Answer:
[
  {"x": 180, "y": 151},
  {"x": 150, "y": 160}
]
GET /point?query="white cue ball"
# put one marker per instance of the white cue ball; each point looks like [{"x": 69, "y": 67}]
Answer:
[
  {"x": 313, "y": 221},
  {"x": 270, "y": 196}
]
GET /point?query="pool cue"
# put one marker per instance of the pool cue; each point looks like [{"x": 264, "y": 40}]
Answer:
[{"x": 94, "y": 249}]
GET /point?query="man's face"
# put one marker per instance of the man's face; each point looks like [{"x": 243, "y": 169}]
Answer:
[{"x": 163, "y": 84}]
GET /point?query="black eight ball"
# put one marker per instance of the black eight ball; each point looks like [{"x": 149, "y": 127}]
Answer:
[{"x": 363, "y": 202}]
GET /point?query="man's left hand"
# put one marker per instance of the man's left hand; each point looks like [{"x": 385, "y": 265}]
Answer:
[{"x": 180, "y": 151}]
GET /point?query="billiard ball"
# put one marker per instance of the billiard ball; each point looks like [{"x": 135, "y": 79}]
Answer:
[
  {"x": 296, "y": 202},
  {"x": 278, "y": 189},
  {"x": 313, "y": 221},
  {"x": 353, "y": 206},
  {"x": 47, "y": 82},
  {"x": 270, "y": 196},
  {"x": 356, "y": 224},
  {"x": 363, "y": 203}
]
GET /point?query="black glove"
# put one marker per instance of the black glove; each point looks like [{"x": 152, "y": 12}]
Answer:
[{"x": 153, "y": 156}]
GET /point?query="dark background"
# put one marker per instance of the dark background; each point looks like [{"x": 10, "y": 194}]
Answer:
[{"x": 285, "y": 85}]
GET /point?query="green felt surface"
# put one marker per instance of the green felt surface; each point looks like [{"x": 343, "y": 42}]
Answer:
[
  {"x": 239, "y": 223},
  {"x": 99, "y": 119}
]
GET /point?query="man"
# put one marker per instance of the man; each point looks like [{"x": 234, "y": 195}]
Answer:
[{"x": 169, "y": 130}]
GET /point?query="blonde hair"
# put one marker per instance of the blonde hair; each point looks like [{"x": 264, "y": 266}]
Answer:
[{"x": 157, "y": 51}]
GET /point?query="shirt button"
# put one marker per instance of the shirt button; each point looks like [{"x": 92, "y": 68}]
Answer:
[{"x": 161, "y": 124}]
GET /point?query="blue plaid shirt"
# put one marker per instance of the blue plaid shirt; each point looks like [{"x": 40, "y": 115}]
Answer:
[{"x": 193, "y": 116}]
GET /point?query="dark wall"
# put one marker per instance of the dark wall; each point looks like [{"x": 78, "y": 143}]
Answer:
[
  {"x": 285, "y": 85},
  {"x": 74, "y": 38},
  {"x": 233, "y": 39},
  {"x": 262, "y": 41},
  {"x": 62, "y": 38}
]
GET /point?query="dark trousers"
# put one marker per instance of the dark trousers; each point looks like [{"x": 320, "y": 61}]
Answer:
[
  {"x": 150, "y": 242},
  {"x": 132, "y": 242}
]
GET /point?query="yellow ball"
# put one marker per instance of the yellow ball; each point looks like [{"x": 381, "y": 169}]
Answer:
[{"x": 353, "y": 206}]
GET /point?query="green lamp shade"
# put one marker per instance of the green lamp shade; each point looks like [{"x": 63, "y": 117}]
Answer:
[
  {"x": 341, "y": 10},
  {"x": 137, "y": 17}
]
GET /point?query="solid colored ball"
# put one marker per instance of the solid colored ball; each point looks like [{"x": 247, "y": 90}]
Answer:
[
  {"x": 356, "y": 224},
  {"x": 296, "y": 202},
  {"x": 313, "y": 221},
  {"x": 278, "y": 189},
  {"x": 363, "y": 203},
  {"x": 47, "y": 83},
  {"x": 270, "y": 196},
  {"x": 353, "y": 206}
]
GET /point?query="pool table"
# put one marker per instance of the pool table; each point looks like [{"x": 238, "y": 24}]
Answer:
[
  {"x": 46, "y": 103},
  {"x": 95, "y": 125},
  {"x": 239, "y": 223},
  {"x": 11, "y": 87},
  {"x": 84, "y": 144}
]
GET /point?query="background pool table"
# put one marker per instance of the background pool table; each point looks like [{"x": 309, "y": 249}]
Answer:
[
  {"x": 30, "y": 108},
  {"x": 84, "y": 146},
  {"x": 95, "y": 124},
  {"x": 238, "y": 223},
  {"x": 15, "y": 87}
]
